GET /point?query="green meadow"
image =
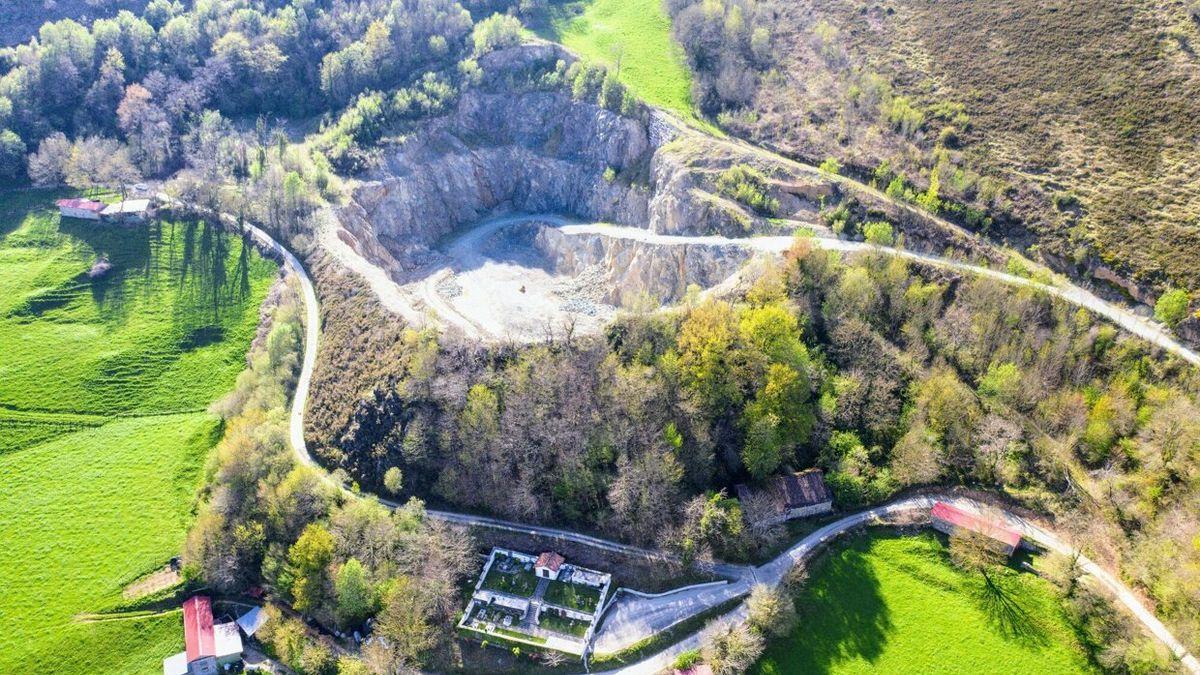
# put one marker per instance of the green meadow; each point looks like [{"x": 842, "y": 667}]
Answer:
[
  {"x": 884, "y": 603},
  {"x": 104, "y": 385},
  {"x": 637, "y": 35}
]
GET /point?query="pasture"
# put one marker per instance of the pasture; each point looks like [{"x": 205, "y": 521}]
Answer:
[
  {"x": 104, "y": 385},
  {"x": 881, "y": 602},
  {"x": 634, "y": 35}
]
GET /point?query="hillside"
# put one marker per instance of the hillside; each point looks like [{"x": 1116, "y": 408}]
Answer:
[
  {"x": 1073, "y": 124},
  {"x": 104, "y": 385}
]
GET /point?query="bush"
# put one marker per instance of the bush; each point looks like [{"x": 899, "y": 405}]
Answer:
[
  {"x": 745, "y": 184},
  {"x": 687, "y": 659},
  {"x": 393, "y": 480},
  {"x": 1172, "y": 307},
  {"x": 831, "y": 165},
  {"x": 879, "y": 233}
]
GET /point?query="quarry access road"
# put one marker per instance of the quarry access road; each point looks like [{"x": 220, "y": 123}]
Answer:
[
  {"x": 773, "y": 572},
  {"x": 1065, "y": 290}
]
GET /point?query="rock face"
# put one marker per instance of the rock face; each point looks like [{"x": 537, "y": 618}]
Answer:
[
  {"x": 630, "y": 268},
  {"x": 515, "y": 145},
  {"x": 534, "y": 151}
]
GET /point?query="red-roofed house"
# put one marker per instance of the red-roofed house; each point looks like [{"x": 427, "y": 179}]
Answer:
[
  {"x": 208, "y": 647},
  {"x": 547, "y": 565},
  {"x": 951, "y": 519},
  {"x": 85, "y": 209}
]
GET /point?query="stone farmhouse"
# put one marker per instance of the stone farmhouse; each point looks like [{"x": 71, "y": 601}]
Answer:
[{"x": 794, "y": 495}]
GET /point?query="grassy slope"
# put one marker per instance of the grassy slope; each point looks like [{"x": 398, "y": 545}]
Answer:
[
  {"x": 652, "y": 64},
  {"x": 1100, "y": 99},
  {"x": 89, "y": 502},
  {"x": 886, "y": 603}
]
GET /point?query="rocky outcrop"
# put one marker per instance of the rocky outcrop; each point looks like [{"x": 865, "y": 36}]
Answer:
[{"x": 631, "y": 268}]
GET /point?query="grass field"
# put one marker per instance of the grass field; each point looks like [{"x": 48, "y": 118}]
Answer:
[
  {"x": 881, "y": 602},
  {"x": 103, "y": 429},
  {"x": 638, "y": 34}
]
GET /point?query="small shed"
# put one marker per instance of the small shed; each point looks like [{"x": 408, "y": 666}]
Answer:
[
  {"x": 548, "y": 564},
  {"x": 176, "y": 664},
  {"x": 127, "y": 211},
  {"x": 252, "y": 620},
  {"x": 794, "y": 495},
  {"x": 83, "y": 209},
  {"x": 951, "y": 519}
]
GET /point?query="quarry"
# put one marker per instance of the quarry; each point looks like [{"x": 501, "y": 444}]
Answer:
[{"x": 521, "y": 214}]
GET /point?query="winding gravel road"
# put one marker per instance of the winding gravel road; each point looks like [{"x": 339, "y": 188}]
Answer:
[{"x": 774, "y": 571}]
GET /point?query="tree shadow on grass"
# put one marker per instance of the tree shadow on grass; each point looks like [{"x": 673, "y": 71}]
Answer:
[
  {"x": 843, "y": 616},
  {"x": 996, "y": 595}
]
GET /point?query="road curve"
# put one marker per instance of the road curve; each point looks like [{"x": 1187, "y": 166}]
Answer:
[
  {"x": 774, "y": 571},
  {"x": 1147, "y": 330}
]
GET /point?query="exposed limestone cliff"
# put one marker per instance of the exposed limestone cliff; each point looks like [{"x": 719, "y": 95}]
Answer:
[{"x": 631, "y": 268}]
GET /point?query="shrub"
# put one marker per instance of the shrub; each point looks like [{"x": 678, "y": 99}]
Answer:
[
  {"x": 831, "y": 165},
  {"x": 745, "y": 184},
  {"x": 879, "y": 233},
  {"x": 687, "y": 659},
  {"x": 1172, "y": 307},
  {"x": 393, "y": 480}
]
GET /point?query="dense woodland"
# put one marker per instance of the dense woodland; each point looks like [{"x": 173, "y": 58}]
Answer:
[{"x": 152, "y": 80}]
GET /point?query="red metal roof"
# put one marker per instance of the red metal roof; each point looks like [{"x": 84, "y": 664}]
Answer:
[
  {"x": 77, "y": 203},
  {"x": 959, "y": 518},
  {"x": 198, "y": 627},
  {"x": 550, "y": 560}
]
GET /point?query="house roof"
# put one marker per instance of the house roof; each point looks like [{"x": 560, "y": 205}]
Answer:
[
  {"x": 253, "y": 620},
  {"x": 969, "y": 521},
  {"x": 127, "y": 206},
  {"x": 198, "y": 627},
  {"x": 226, "y": 640},
  {"x": 805, "y": 488},
  {"x": 175, "y": 664},
  {"x": 78, "y": 203},
  {"x": 550, "y": 560}
]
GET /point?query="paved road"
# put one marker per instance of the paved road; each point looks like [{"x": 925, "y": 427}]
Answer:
[
  {"x": 773, "y": 573},
  {"x": 775, "y": 570}
]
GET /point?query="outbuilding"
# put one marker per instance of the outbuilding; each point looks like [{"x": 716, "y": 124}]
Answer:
[
  {"x": 548, "y": 564},
  {"x": 794, "y": 495},
  {"x": 83, "y": 209},
  {"x": 127, "y": 211},
  {"x": 951, "y": 519}
]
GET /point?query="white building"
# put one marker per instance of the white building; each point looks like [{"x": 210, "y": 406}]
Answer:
[
  {"x": 130, "y": 210},
  {"x": 548, "y": 564},
  {"x": 84, "y": 209}
]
